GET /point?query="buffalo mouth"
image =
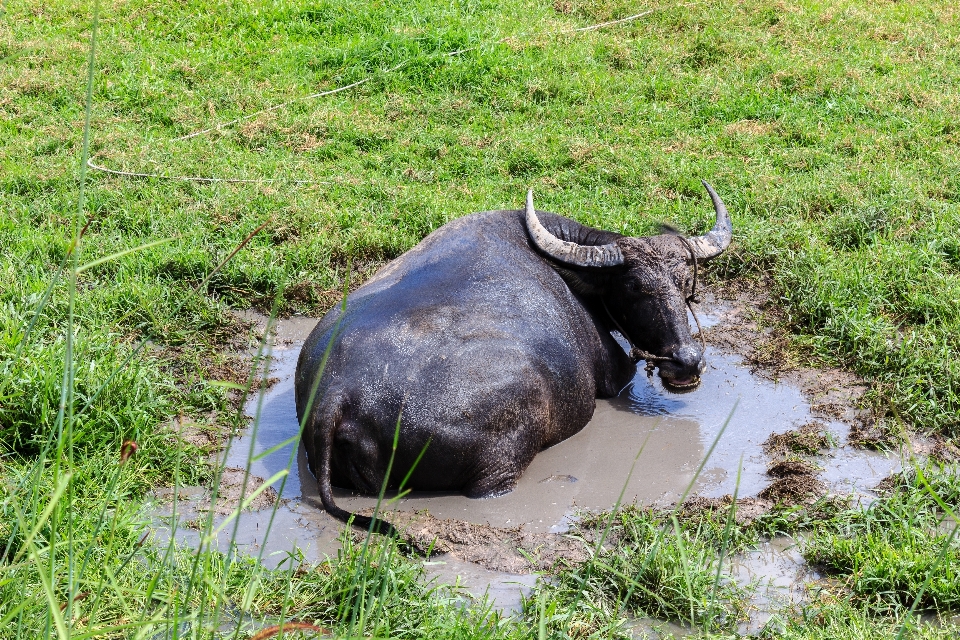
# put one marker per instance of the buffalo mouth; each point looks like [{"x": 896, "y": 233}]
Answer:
[
  {"x": 677, "y": 377},
  {"x": 680, "y": 384}
]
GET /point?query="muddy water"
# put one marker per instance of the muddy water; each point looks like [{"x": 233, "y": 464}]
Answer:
[
  {"x": 661, "y": 436},
  {"x": 777, "y": 575},
  {"x": 503, "y": 590}
]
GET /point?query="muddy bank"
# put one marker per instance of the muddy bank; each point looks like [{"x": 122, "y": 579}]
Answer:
[
  {"x": 752, "y": 325},
  {"x": 512, "y": 550},
  {"x": 749, "y": 324},
  {"x": 237, "y": 487}
]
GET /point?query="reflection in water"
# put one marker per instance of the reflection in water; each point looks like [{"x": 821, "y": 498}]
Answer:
[{"x": 645, "y": 397}]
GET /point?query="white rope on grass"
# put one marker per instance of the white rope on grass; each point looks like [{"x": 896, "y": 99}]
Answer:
[
  {"x": 321, "y": 94},
  {"x": 609, "y": 23},
  {"x": 277, "y": 107},
  {"x": 135, "y": 174}
]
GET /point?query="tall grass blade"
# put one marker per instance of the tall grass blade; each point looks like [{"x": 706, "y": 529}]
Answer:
[
  {"x": 244, "y": 503},
  {"x": 120, "y": 254},
  {"x": 203, "y": 283},
  {"x": 53, "y": 607},
  {"x": 944, "y": 549},
  {"x": 725, "y": 546},
  {"x": 39, "y": 523}
]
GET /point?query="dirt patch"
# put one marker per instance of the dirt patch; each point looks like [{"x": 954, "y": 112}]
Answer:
[
  {"x": 309, "y": 295},
  {"x": 890, "y": 484},
  {"x": 796, "y": 481},
  {"x": 232, "y": 493},
  {"x": 869, "y": 432},
  {"x": 747, "y": 510},
  {"x": 510, "y": 550},
  {"x": 208, "y": 436},
  {"x": 749, "y": 127},
  {"x": 787, "y": 468},
  {"x": 945, "y": 452},
  {"x": 809, "y": 439},
  {"x": 802, "y": 488}
]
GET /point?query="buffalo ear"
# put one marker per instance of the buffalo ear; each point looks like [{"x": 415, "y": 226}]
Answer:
[{"x": 594, "y": 282}]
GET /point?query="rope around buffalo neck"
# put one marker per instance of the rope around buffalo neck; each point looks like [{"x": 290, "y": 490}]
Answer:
[{"x": 637, "y": 354}]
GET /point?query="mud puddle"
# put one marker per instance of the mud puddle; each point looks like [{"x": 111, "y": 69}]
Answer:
[
  {"x": 778, "y": 577},
  {"x": 503, "y": 590},
  {"x": 660, "y": 435}
]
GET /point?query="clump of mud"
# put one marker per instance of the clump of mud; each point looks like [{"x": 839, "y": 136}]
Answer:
[
  {"x": 232, "y": 493},
  {"x": 945, "y": 452},
  {"x": 869, "y": 432},
  {"x": 797, "y": 489},
  {"x": 891, "y": 483},
  {"x": 747, "y": 510},
  {"x": 796, "y": 480},
  {"x": 808, "y": 439},
  {"x": 510, "y": 550},
  {"x": 787, "y": 468}
]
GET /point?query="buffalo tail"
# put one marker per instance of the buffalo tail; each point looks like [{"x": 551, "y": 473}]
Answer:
[{"x": 375, "y": 525}]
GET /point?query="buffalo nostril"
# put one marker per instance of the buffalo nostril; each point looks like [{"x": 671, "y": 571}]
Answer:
[{"x": 689, "y": 358}]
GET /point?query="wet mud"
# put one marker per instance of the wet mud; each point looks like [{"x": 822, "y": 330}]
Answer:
[
  {"x": 785, "y": 438},
  {"x": 237, "y": 487},
  {"x": 514, "y": 550}
]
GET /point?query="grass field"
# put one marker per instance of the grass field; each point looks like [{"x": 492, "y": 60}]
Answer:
[{"x": 830, "y": 129}]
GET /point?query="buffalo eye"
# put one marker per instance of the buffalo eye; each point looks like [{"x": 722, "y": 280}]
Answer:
[{"x": 633, "y": 286}]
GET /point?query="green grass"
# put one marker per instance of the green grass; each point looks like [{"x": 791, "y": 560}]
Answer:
[
  {"x": 832, "y": 619},
  {"x": 646, "y": 568},
  {"x": 901, "y": 550},
  {"x": 829, "y": 129}
]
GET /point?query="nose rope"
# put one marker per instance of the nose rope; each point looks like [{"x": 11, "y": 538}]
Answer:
[{"x": 637, "y": 354}]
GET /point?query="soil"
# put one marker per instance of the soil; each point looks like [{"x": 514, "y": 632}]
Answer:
[
  {"x": 810, "y": 438},
  {"x": 796, "y": 480},
  {"x": 871, "y": 433},
  {"x": 231, "y": 493},
  {"x": 748, "y": 509},
  {"x": 787, "y": 468},
  {"x": 945, "y": 452},
  {"x": 506, "y": 549},
  {"x": 790, "y": 490}
]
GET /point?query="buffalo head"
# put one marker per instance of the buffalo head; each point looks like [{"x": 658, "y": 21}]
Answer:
[{"x": 640, "y": 286}]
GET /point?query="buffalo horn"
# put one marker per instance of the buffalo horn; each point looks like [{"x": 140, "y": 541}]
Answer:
[
  {"x": 607, "y": 255},
  {"x": 712, "y": 243}
]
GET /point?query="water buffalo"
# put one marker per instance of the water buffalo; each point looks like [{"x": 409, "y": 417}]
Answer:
[{"x": 490, "y": 341}]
